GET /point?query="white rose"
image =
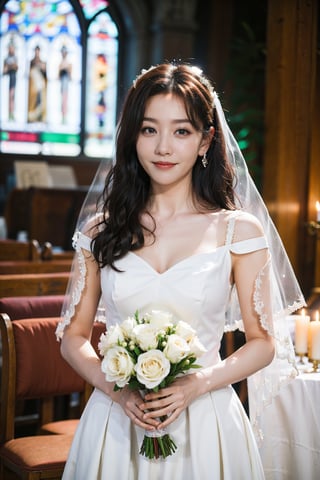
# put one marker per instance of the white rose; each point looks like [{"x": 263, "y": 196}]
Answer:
[
  {"x": 117, "y": 366},
  {"x": 102, "y": 344},
  {"x": 112, "y": 337},
  {"x": 146, "y": 336},
  {"x": 152, "y": 367},
  {"x": 196, "y": 347},
  {"x": 159, "y": 319},
  {"x": 185, "y": 331},
  {"x": 176, "y": 349},
  {"x": 128, "y": 325}
]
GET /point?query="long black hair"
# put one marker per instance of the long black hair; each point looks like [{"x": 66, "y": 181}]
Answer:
[{"x": 127, "y": 187}]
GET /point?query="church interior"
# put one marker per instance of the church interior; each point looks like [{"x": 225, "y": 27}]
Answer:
[{"x": 65, "y": 68}]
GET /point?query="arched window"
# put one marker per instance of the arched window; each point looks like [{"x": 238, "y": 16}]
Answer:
[
  {"x": 58, "y": 82},
  {"x": 101, "y": 81}
]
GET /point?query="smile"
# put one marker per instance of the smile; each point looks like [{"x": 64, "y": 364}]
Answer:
[{"x": 164, "y": 165}]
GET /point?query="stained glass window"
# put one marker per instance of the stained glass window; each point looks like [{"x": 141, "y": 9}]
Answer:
[
  {"x": 91, "y": 7},
  {"x": 102, "y": 86},
  {"x": 42, "y": 83}
]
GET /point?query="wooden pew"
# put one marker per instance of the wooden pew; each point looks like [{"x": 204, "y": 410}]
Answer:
[
  {"x": 27, "y": 266},
  {"x": 65, "y": 255},
  {"x": 47, "y": 214},
  {"x": 48, "y": 253},
  {"x": 14, "y": 250},
  {"x": 30, "y": 284}
]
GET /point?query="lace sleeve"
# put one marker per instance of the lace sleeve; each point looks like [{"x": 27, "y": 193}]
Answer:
[
  {"x": 76, "y": 282},
  {"x": 268, "y": 303},
  {"x": 265, "y": 384}
]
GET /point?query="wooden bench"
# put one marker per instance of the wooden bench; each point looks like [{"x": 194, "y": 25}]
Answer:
[
  {"x": 14, "y": 250},
  {"x": 27, "y": 266},
  {"x": 47, "y": 214},
  {"x": 49, "y": 253},
  {"x": 33, "y": 284}
]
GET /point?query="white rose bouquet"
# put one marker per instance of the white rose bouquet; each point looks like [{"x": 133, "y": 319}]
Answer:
[{"x": 148, "y": 353}]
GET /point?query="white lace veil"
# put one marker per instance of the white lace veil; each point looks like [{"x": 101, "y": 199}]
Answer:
[
  {"x": 285, "y": 291},
  {"x": 286, "y": 294}
]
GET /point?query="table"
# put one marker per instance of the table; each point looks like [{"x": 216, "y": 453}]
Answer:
[{"x": 291, "y": 425}]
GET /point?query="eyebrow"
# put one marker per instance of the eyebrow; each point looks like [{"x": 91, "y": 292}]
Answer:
[{"x": 177, "y": 120}]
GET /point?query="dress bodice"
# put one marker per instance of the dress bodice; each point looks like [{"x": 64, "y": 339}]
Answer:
[{"x": 195, "y": 290}]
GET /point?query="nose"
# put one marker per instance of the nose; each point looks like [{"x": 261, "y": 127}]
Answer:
[{"x": 163, "y": 146}]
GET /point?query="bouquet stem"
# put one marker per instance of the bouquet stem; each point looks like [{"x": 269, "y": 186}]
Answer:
[{"x": 156, "y": 446}]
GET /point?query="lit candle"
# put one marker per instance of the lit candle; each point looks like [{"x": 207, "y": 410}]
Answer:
[
  {"x": 318, "y": 211},
  {"x": 309, "y": 342},
  {"x": 301, "y": 333},
  {"x": 315, "y": 338}
]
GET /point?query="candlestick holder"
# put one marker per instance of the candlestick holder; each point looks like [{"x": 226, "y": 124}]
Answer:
[
  {"x": 301, "y": 357},
  {"x": 315, "y": 366},
  {"x": 313, "y": 228}
]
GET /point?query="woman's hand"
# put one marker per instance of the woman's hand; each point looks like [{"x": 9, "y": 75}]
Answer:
[
  {"x": 169, "y": 402},
  {"x": 133, "y": 405}
]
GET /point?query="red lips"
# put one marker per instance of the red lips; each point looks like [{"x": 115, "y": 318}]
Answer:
[{"x": 164, "y": 165}]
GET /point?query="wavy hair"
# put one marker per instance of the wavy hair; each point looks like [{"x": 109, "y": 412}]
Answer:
[{"x": 127, "y": 187}]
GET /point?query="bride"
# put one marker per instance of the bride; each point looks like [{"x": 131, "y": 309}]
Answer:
[{"x": 180, "y": 228}]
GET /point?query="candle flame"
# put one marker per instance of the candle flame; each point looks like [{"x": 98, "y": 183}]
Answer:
[{"x": 317, "y": 206}]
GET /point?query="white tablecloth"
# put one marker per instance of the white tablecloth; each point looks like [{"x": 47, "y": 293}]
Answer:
[{"x": 291, "y": 424}]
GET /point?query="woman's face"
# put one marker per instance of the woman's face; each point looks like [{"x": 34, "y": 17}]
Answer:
[{"x": 167, "y": 144}]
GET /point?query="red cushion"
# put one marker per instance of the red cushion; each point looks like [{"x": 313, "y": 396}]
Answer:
[
  {"x": 32, "y": 307},
  {"x": 42, "y": 452},
  {"x": 41, "y": 369},
  {"x": 61, "y": 427}
]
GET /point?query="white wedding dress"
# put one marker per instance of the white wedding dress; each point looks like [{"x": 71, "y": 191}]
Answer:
[{"x": 214, "y": 437}]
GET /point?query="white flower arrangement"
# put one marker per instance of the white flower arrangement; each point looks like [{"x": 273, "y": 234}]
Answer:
[{"x": 148, "y": 353}]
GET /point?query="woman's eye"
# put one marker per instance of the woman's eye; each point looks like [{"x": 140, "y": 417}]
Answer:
[
  {"x": 147, "y": 130},
  {"x": 182, "y": 131}
]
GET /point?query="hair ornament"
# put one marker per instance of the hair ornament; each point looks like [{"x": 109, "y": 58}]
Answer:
[{"x": 143, "y": 72}]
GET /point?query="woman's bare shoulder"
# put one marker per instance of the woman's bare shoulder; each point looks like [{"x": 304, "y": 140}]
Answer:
[
  {"x": 93, "y": 225},
  {"x": 246, "y": 226}
]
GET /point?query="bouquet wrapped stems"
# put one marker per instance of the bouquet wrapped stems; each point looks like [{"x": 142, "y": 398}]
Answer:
[{"x": 157, "y": 444}]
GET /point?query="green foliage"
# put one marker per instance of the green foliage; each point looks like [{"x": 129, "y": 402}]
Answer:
[{"x": 246, "y": 83}]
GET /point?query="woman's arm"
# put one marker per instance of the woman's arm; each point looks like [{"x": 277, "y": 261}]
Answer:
[
  {"x": 79, "y": 353},
  {"x": 258, "y": 351},
  {"x": 75, "y": 344}
]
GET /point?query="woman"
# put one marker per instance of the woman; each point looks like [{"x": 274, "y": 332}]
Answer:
[{"x": 171, "y": 237}]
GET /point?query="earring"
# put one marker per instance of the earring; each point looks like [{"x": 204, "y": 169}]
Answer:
[{"x": 204, "y": 160}]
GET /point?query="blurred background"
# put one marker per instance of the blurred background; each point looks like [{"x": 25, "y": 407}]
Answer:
[{"x": 65, "y": 66}]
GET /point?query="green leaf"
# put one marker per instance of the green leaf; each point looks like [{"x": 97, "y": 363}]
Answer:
[
  {"x": 134, "y": 384},
  {"x": 137, "y": 351}
]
